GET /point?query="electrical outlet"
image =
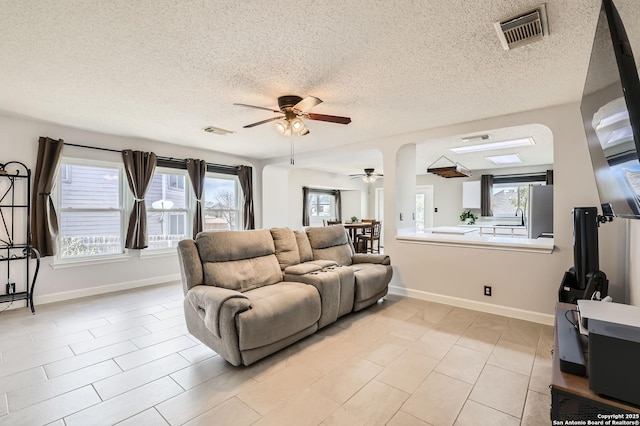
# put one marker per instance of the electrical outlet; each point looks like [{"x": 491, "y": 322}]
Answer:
[
  {"x": 487, "y": 290},
  {"x": 11, "y": 288}
]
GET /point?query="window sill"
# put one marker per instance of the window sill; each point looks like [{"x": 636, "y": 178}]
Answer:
[
  {"x": 487, "y": 242},
  {"x": 152, "y": 254},
  {"x": 72, "y": 263}
]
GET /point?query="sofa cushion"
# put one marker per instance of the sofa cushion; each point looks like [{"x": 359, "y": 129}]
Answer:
[
  {"x": 370, "y": 279},
  {"x": 238, "y": 260},
  {"x": 304, "y": 248},
  {"x": 234, "y": 245},
  {"x": 277, "y": 312},
  {"x": 324, "y": 263},
  {"x": 302, "y": 268},
  {"x": 286, "y": 247},
  {"x": 347, "y": 288},
  {"x": 208, "y": 302},
  {"x": 243, "y": 275},
  {"x": 330, "y": 243}
]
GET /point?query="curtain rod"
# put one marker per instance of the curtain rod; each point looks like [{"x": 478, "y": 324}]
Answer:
[
  {"x": 218, "y": 166},
  {"x": 524, "y": 174}
]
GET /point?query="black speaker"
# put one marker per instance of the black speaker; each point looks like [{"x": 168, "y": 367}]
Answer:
[{"x": 585, "y": 244}]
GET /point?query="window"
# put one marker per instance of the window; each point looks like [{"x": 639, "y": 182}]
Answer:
[
  {"x": 176, "y": 224},
  {"x": 176, "y": 182},
  {"x": 65, "y": 173},
  {"x": 321, "y": 205},
  {"x": 94, "y": 207},
  {"x": 221, "y": 203},
  {"x": 510, "y": 199},
  {"x": 91, "y": 209},
  {"x": 168, "y": 210}
]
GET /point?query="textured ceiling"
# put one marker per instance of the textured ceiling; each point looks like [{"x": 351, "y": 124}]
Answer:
[{"x": 164, "y": 69}]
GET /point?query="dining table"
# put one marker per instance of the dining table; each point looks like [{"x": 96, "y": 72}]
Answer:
[{"x": 354, "y": 227}]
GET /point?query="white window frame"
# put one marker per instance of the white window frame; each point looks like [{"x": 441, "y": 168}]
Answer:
[
  {"x": 238, "y": 192},
  {"x": 318, "y": 218},
  {"x": 174, "y": 183},
  {"x": 189, "y": 209},
  {"x": 126, "y": 204},
  {"x": 65, "y": 262},
  {"x": 514, "y": 184},
  {"x": 65, "y": 173}
]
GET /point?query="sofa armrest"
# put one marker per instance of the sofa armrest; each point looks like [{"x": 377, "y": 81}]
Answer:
[
  {"x": 216, "y": 304},
  {"x": 190, "y": 265},
  {"x": 381, "y": 259}
]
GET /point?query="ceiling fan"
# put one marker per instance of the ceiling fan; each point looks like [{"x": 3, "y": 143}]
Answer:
[
  {"x": 368, "y": 176},
  {"x": 295, "y": 109}
]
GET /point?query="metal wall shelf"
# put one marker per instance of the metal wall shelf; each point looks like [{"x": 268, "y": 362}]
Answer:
[{"x": 15, "y": 183}]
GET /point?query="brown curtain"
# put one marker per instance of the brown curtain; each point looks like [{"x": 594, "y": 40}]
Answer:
[
  {"x": 197, "y": 170},
  {"x": 549, "y": 177},
  {"x": 305, "y": 206},
  {"x": 486, "y": 189},
  {"x": 139, "y": 167},
  {"x": 245, "y": 175},
  {"x": 44, "y": 220},
  {"x": 338, "y": 200}
]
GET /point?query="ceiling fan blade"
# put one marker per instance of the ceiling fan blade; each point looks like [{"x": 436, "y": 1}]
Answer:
[
  {"x": 258, "y": 107},
  {"x": 306, "y": 104},
  {"x": 329, "y": 118},
  {"x": 262, "y": 122}
]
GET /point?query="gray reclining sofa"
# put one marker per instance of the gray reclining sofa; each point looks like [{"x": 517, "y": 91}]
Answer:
[{"x": 249, "y": 294}]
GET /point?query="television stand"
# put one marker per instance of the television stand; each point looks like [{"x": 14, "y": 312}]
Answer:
[{"x": 571, "y": 397}]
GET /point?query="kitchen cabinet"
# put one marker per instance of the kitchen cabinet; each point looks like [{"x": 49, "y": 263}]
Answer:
[{"x": 471, "y": 195}]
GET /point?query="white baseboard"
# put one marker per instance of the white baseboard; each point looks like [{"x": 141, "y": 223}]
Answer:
[
  {"x": 475, "y": 305},
  {"x": 108, "y": 288}
]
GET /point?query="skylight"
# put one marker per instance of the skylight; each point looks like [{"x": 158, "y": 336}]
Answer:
[
  {"x": 494, "y": 145},
  {"x": 505, "y": 159}
]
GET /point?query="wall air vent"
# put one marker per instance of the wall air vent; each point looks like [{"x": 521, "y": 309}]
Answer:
[
  {"x": 523, "y": 29},
  {"x": 217, "y": 130}
]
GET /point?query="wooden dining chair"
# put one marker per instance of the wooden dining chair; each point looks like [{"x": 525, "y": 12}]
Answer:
[
  {"x": 334, "y": 222},
  {"x": 367, "y": 231},
  {"x": 372, "y": 237}
]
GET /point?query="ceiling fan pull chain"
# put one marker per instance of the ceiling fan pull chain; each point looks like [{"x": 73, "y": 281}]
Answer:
[{"x": 292, "y": 152}]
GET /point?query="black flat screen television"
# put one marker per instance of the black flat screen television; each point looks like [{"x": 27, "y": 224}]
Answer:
[{"x": 611, "y": 113}]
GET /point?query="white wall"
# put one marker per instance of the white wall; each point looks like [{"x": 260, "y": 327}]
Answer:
[
  {"x": 19, "y": 141},
  {"x": 447, "y": 198},
  {"x": 353, "y": 195},
  {"x": 275, "y": 196},
  {"x": 405, "y": 189}
]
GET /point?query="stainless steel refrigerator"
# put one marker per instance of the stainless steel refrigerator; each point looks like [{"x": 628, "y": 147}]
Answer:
[{"x": 540, "y": 211}]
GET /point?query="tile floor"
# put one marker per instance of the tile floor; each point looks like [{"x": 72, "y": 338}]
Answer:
[{"x": 126, "y": 358}]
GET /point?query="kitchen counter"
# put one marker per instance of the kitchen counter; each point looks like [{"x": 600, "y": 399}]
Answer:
[
  {"x": 493, "y": 228},
  {"x": 457, "y": 230},
  {"x": 476, "y": 240}
]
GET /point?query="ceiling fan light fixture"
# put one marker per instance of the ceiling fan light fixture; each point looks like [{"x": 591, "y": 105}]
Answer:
[
  {"x": 297, "y": 125},
  {"x": 283, "y": 126},
  {"x": 304, "y": 131},
  {"x": 369, "y": 178}
]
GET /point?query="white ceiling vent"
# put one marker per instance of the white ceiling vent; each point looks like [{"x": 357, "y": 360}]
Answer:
[
  {"x": 523, "y": 29},
  {"x": 216, "y": 130}
]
